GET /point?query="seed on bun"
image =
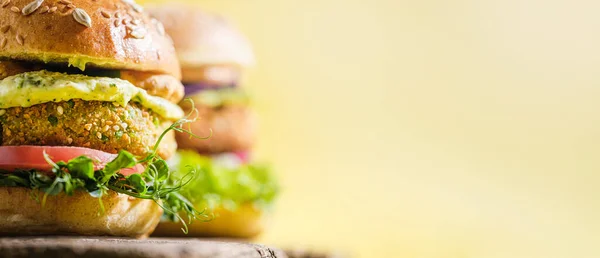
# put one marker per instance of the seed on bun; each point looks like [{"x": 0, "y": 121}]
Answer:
[{"x": 109, "y": 34}]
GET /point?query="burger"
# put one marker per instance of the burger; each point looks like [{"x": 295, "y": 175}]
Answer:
[
  {"x": 88, "y": 111},
  {"x": 229, "y": 184}
]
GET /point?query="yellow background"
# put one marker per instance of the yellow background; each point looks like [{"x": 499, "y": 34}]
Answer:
[{"x": 429, "y": 128}]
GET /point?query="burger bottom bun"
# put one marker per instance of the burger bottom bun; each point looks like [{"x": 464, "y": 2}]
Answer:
[
  {"x": 245, "y": 222},
  {"x": 233, "y": 129},
  {"x": 79, "y": 214}
]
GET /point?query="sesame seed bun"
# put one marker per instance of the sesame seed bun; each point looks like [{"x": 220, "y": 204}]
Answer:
[
  {"x": 202, "y": 39},
  {"x": 245, "y": 222},
  {"x": 111, "y": 34},
  {"x": 76, "y": 215}
]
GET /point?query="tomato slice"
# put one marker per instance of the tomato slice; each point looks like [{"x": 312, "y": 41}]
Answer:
[{"x": 32, "y": 157}]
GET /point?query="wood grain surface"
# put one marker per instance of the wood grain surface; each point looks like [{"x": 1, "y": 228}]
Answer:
[
  {"x": 305, "y": 253},
  {"x": 67, "y": 247}
]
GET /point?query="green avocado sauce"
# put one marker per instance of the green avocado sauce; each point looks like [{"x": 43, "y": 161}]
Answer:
[{"x": 32, "y": 88}]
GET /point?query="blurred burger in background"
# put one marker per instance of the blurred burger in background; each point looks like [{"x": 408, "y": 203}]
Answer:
[{"x": 213, "y": 55}]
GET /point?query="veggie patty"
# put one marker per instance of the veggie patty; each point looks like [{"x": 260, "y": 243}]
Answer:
[{"x": 93, "y": 124}]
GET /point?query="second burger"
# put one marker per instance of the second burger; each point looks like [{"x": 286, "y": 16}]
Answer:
[{"x": 238, "y": 191}]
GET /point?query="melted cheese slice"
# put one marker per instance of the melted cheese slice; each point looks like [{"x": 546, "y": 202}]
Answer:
[{"x": 32, "y": 88}]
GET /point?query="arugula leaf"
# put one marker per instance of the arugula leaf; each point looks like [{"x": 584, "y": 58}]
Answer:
[
  {"x": 81, "y": 167},
  {"x": 123, "y": 160},
  {"x": 162, "y": 169},
  {"x": 13, "y": 180},
  {"x": 137, "y": 183}
]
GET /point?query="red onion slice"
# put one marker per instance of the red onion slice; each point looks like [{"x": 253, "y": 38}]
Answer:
[{"x": 191, "y": 89}]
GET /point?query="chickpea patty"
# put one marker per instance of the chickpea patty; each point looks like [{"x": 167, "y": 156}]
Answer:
[
  {"x": 233, "y": 129},
  {"x": 92, "y": 124}
]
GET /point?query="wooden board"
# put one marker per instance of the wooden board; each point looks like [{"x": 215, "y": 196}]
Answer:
[
  {"x": 305, "y": 253},
  {"x": 67, "y": 247}
]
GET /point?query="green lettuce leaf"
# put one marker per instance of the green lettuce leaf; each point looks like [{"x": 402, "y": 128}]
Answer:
[
  {"x": 218, "y": 184},
  {"x": 221, "y": 97}
]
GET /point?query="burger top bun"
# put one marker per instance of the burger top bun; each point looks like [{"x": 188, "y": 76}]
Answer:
[
  {"x": 110, "y": 34},
  {"x": 203, "y": 38}
]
